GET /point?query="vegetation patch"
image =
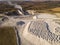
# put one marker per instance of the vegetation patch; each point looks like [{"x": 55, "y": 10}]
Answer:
[
  {"x": 56, "y": 9},
  {"x": 7, "y": 36}
]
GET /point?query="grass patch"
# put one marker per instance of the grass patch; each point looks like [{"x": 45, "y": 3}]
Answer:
[
  {"x": 56, "y": 9},
  {"x": 1, "y": 16},
  {"x": 7, "y": 36}
]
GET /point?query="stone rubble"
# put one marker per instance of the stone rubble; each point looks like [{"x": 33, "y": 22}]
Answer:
[{"x": 41, "y": 29}]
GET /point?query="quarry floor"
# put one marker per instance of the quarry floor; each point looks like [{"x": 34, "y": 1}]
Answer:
[{"x": 12, "y": 21}]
